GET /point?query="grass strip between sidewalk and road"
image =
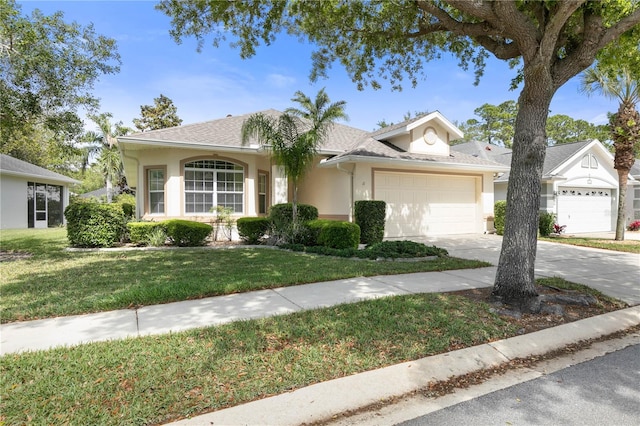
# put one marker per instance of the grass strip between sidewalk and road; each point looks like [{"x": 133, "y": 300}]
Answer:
[{"x": 54, "y": 282}]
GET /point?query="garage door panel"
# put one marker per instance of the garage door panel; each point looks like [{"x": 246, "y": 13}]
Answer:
[
  {"x": 427, "y": 204},
  {"x": 585, "y": 210}
]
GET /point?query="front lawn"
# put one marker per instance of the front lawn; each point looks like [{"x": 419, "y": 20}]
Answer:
[
  {"x": 629, "y": 246},
  {"x": 54, "y": 282}
]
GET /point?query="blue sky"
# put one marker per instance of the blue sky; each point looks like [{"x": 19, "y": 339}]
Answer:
[{"x": 216, "y": 82}]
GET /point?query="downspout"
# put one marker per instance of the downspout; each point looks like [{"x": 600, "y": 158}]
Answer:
[
  {"x": 124, "y": 155},
  {"x": 350, "y": 173}
]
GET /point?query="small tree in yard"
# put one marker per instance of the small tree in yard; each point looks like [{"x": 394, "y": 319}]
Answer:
[
  {"x": 622, "y": 85},
  {"x": 294, "y": 137},
  {"x": 549, "y": 42}
]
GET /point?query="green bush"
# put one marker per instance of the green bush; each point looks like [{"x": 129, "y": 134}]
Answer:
[
  {"x": 282, "y": 227},
  {"x": 369, "y": 215},
  {"x": 143, "y": 232},
  {"x": 397, "y": 249},
  {"x": 499, "y": 213},
  {"x": 128, "y": 203},
  {"x": 384, "y": 250},
  {"x": 187, "y": 233},
  {"x": 94, "y": 224},
  {"x": 281, "y": 215},
  {"x": 339, "y": 235},
  {"x": 545, "y": 223},
  {"x": 313, "y": 231},
  {"x": 253, "y": 229}
]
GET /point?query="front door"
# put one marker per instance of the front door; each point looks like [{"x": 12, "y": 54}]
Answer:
[{"x": 41, "y": 206}]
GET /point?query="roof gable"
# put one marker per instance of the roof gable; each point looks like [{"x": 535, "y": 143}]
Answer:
[{"x": 412, "y": 123}]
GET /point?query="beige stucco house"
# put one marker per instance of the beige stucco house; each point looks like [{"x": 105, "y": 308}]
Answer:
[
  {"x": 185, "y": 171},
  {"x": 579, "y": 184}
]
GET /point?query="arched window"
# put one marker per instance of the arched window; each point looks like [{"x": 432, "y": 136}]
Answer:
[
  {"x": 212, "y": 183},
  {"x": 589, "y": 161}
]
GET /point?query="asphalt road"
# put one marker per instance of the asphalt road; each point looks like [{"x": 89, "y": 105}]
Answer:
[{"x": 603, "y": 391}]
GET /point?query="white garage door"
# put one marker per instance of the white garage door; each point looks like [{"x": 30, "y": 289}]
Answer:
[
  {"x": 420, "y": 204},
  {"x": 584, "y": 210}
]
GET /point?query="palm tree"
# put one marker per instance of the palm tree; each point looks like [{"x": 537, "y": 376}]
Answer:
[
  {"x": 109, "y": 160},
  {"x": 295, "y": 136},
  {"x": 91, "y": 145},
  {"x": 624, "y": 125}
]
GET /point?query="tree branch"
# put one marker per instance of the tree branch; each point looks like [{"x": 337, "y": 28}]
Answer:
[{"x": 553, "y": 28}]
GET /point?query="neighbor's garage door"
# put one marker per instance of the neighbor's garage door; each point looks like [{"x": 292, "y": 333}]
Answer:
[
  {"x": 421, "y": 204},
  {"x": 584, "y": 210}
]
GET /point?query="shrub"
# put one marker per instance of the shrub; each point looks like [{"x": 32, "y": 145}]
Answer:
[
  {"x": 634, "y": 226},
  {"x": 313, "y": 231},
  {"x": 369, "y": 215},
  {"x": 282, "y": 227},
  {"x": 252, "y": 229},
  {"x": 339, "y": 235},
  {"x": 499, "y": 213},
  {"x": 396, "y": 249},
  {"x": 545, "y": 223},
  {"x": 94, "y": 224},
  {"x": 143, "y": 232},
  {"x": 187, "y": 232},
  {"x": 128, "y": 203},
  {"x": 384, "y": 250},
  {"x": 281, "y": 215}
]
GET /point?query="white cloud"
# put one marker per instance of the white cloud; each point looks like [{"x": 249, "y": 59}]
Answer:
[{"x": 280, "y": 81}]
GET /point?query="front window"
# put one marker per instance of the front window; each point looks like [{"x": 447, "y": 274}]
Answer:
[
  {"x": 212, "y": 183},
  {"x": 156, "y": 191},
  {"x": 262, "y": 193}
]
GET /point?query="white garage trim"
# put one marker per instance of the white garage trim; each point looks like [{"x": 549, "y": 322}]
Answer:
[
  {"x": 420, "y": 204},
  {"x": 584, "y": 209}
]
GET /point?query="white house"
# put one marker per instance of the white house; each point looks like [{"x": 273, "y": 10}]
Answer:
[
  {"x": 579, "y": 184},
  {"x": 31, "y": 196},
  {"x": 186, "y": 171}
]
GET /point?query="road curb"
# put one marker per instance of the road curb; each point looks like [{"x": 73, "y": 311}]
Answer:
[{"x": 325, "y": 400}]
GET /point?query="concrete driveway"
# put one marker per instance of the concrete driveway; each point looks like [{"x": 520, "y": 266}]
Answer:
[{"x": 616, "y": 274}]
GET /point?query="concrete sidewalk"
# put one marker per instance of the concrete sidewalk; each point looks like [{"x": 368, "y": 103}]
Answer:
[{"x": 172, "y": 317}]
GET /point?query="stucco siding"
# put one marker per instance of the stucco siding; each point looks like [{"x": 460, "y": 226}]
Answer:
[
  {"x": 13, "y": 202},
  {"x": 329, "y": 190}
]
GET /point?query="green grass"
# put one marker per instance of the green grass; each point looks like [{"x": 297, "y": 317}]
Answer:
[
  {"x": 156, "y": 379},
  {"x": 629, "y": 246},
  {"x": 55, "y": 282}
]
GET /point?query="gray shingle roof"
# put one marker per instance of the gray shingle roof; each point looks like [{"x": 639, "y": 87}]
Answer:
[
  {"x": 13, "y": 166},
  {"x": 371, "y": 147},
  {"x": 227, "y": 132},
  {"x": 481, "y": 149}
]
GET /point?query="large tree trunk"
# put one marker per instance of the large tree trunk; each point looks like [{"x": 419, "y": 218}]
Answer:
[
  {"x": 515, "y": 281},
  {"x": 622, "y": 197}
]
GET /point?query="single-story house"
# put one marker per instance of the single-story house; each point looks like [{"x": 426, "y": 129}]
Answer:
[
  {"x": 31, "y": 196},
  {"x": 579, "y": 184},
  {"x": 186, "y": 171}
]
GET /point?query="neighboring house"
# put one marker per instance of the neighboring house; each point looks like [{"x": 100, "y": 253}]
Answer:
[
  {"x": 31, "y": 196},
  {"x": 184, "y": 172},
  {"x": 101, "y": 193},
  {"x": 579, "y": 183}
]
